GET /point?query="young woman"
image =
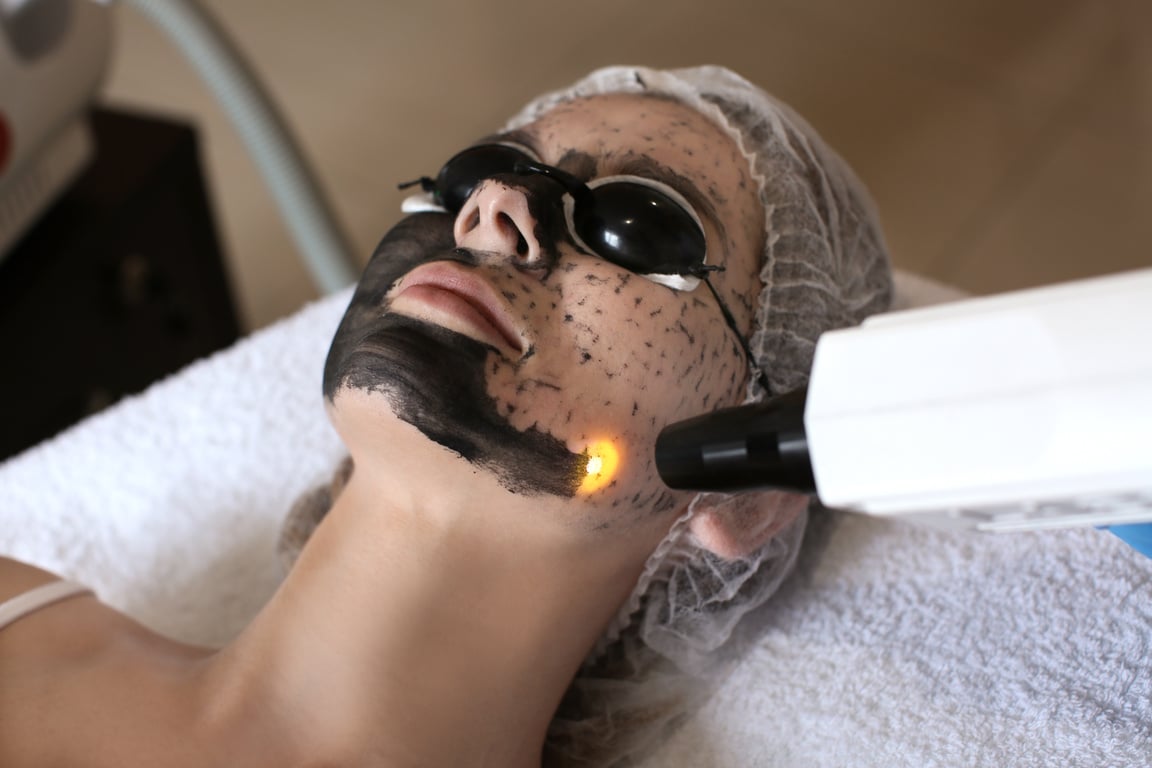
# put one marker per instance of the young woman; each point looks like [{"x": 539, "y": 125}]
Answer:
[{"x": 636, "y": 250}]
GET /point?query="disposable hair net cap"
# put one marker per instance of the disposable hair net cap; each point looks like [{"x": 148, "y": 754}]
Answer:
[{"x": 824, "y": 266}]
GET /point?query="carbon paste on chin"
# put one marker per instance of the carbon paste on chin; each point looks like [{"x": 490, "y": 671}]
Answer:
[{"x": 434, "y": 378}]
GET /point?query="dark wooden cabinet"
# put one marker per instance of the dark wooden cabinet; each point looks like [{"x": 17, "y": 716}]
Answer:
[{"x": 120, "y": 283}]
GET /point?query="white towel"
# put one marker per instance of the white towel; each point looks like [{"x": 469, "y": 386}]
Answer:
[
  {"x": 168, "y": 504},
  {"x": 892, "y": 646}
]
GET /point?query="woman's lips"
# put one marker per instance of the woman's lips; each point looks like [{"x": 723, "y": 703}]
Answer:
[{"x": 456, "y": 298}]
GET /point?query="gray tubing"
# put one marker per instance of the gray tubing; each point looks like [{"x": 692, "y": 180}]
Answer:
[{"x": 302, "y": 205}]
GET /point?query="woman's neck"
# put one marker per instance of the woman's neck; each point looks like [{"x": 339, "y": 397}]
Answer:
[{"x": 432, "y": 637}]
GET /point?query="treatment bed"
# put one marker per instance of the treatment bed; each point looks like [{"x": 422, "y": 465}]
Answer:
[{"x": 891, "y": 645}]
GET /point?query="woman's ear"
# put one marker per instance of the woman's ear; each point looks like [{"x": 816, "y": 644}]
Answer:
[{"x": 732, "y": 527}]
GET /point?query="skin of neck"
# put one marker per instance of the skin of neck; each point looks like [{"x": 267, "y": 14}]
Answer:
[{"x": 422, "y": 629}]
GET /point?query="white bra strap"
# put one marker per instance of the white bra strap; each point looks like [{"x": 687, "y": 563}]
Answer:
[{"x": 40, "y": 597}]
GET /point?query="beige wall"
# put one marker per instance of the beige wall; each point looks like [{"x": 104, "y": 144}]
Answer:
[{"x": 1008, "y": 144}]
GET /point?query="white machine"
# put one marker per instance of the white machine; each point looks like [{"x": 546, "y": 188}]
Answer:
[
  {"x": 1027, "y": 410},
  {"x": 1031, "y": 409},
  {"x": 53, "y": 55}
]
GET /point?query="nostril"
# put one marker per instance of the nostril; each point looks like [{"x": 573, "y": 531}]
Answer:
[
  {"x": 473, "y": 220},
  {"x": 508, "y": 224}
]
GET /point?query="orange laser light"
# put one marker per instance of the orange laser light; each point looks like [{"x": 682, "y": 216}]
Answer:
[{"x": 603, "y": 460}]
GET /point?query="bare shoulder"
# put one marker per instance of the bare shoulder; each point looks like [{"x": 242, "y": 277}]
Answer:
[
  {"x": 17, "y": 577},
  {"x": 26, "y": 655},
  {"x": 80, "y": 668},
  {"x": 31, "y": 634}
]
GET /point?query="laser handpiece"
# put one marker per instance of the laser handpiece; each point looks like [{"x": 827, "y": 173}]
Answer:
[
  {"x": 762, "y": 445},
  {"x": 1027, "y": 410}
]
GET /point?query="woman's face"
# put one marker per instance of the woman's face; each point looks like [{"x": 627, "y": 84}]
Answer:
[{"x": 501, "y": 339}]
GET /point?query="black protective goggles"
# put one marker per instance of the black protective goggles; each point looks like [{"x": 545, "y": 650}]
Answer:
[
  {"x": 636, "y": 223},
  {"x": 639, "y": 224}
]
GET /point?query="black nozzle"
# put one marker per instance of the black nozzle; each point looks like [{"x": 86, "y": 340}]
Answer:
[{"x": 750, "y": 447}]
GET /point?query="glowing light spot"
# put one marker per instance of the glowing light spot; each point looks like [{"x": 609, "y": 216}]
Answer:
[{"x": 603, "y": 460}]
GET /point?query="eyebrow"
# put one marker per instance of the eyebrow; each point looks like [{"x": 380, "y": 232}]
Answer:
[{"x": 516, "y": 136}]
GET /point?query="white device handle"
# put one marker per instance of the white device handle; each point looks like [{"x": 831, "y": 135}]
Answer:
[{"x": 1031, "y": 409}]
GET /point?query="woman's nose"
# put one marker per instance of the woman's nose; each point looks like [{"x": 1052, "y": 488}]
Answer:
[{"x": 496, "y": 219}]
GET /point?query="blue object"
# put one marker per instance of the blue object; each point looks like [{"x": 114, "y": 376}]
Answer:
[{"x": 1138, "y": 536}]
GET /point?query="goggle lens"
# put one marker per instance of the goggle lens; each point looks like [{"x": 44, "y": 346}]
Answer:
[{"x": 641, "y": 229}]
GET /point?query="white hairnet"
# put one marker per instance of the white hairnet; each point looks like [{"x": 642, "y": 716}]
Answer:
[{"x": 824, "y": 266}]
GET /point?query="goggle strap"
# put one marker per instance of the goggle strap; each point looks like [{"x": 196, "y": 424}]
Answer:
[
  {"x": 702, "y": 270},
  {"x": 426, "y": 184},
  {"x": 756, "y": 371}
]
